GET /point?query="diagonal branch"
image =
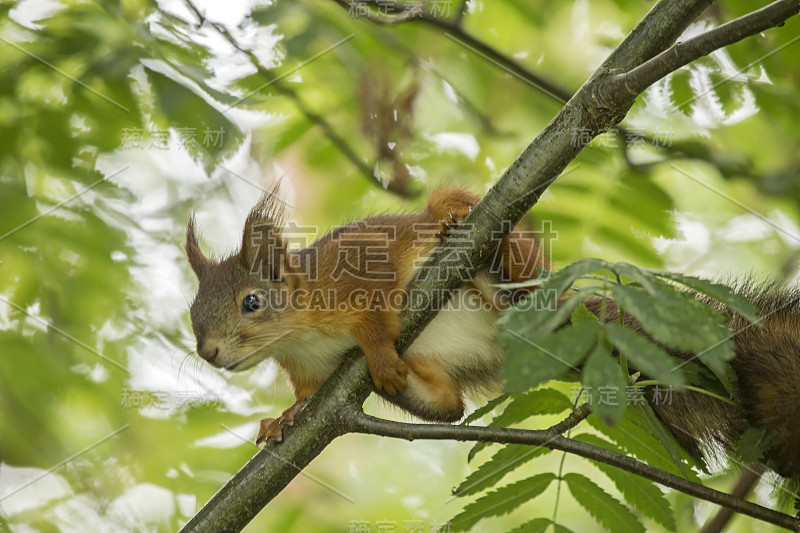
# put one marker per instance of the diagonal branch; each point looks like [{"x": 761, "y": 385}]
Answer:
[
  {"x": 656, "y": 31},
  {"x": 747, "y": 480},
  {"x": 638, "y": 79}
]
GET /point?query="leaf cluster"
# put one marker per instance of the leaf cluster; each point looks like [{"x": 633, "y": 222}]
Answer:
[
  {"x": 622, "y": 335},
  {"x": 645, "y": 328}
]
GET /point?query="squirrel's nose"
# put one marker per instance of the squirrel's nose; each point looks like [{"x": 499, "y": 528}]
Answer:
[{"x": 209, "y": 350}]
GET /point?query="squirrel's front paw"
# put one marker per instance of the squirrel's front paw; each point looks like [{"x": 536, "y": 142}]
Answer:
[
  {"x": 270, "y": 428},
  {"x": 389, "y": 375},
  {"x": 452, "y": 221}
]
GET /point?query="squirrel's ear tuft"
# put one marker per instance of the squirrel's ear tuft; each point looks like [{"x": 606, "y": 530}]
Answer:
[
  {"x": 263, "y": 248},
  {"x": 199, "y": 262}
]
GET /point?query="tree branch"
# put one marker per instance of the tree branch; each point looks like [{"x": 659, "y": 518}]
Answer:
[
  {"x": 575, "y": 417},
  {"x": 268, "y": 472},
  {"x": 271, "y": 469},
  {"x": 654, "y": 33},
  {"x": 358, "y": 422},
  {"x": 744, "y": 485},
  {"x": 638, "y": 79}
]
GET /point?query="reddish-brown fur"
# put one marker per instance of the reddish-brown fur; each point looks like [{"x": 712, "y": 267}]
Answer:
[{"x": 378, "y": 256}]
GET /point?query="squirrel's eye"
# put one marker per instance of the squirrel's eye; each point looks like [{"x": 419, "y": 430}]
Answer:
[{"x": 251, "y": 303}]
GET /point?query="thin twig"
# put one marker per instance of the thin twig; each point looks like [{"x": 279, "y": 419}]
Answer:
[
  {"x": 357, "y": 422},
  {"x": 550, "y": 88},
  {"x": 575, "y": 417}
]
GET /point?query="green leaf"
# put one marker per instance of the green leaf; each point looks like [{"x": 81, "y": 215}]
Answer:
[
  {"x": 605, "y": 385},
  {"x": 542, "y": 314},
  {"x": 290, "y": 133},
  {"x": 716, "y": 359},
  {"x": 582, "y": 314},
  {"x": 567, "y": 276},
  {"x": 679, "y": 321},
  {"x": 477, "y": 448},
  {"x": 561, "y": 529},
  {"x": 510, "y": 457},
  {"x": 262, "y": 15},
  {"x": 639, "y": 492},
  {"x": 538, "y": 525},
  {"x": 488, "y": 408},
  {"x": 634, "y": 434},
  {"x": 536, "y": 402},
  {"x": 644, "y": 278},
  {"x": 667, "y": 316},
  {"x": 611, "y": 237},
  {"x": 642, "y": 494},
  {"x": 208, "y": 135},
  {"x": 645, "y": 202},
  {"x": 719, "y": 292},
  {"x": 606, "y": 509},
  {"x": 663, "y": 436},
  {"x": 501, "y": 501},
  {"x": 645, "y": 356},
  {"x": 753, "y": 443},
  {"x": 700, "y": 376},
  {"x": 528, "y": 362},
  {"x": 199, "y": 76}
]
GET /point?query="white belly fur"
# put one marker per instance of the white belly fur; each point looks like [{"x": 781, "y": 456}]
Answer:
[
  {"x": 460, "y": 337},
  {"x": 318, "y": 355}
]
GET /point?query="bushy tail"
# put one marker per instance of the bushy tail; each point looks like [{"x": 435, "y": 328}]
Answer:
[{"x": 767, "y": 388}]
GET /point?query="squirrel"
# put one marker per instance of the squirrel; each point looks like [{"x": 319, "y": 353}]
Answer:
[{"x": 306, "y": 308}]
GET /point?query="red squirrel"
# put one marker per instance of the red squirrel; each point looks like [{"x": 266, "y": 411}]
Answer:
[{"x": 306, "y": 308}]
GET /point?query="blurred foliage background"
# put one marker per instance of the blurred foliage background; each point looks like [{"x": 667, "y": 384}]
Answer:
[{"x": 119, "y": 118}]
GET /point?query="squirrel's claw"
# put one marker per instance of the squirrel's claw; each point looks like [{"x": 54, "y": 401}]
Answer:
[
  {"x": 450, "y": 225},
  {"x": 270, "y": 428},
  {"x": 455, "y": 220}
]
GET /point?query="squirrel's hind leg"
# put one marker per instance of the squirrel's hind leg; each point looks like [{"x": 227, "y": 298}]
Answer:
[{"x": 431, "y": 393}]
